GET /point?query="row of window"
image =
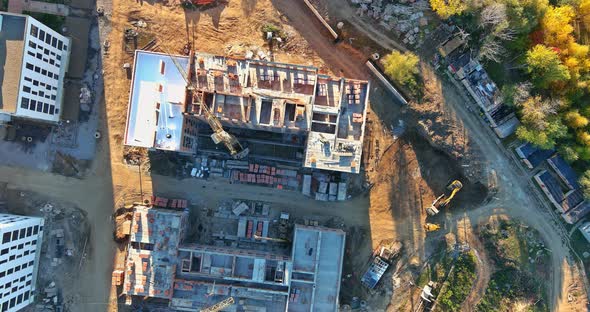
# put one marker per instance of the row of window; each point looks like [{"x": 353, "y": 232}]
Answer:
[
  {"x": 47, "y": 38},
  {"x": 38, "y": 106},
  {"x": 13, "y": 257},
  {"x": 40, "y": 93},
  {"x": 42, "y": 71},
  {"x": 20, "y": 234},
  {"x": 40, "y": 57},
  {"x": 37, "y": 83},
  {"x": 16, "y": 301},
  {"x": 16, "y": 269},
  {"x": 44, "y": 50},
  {"x": 18, "y": 280}
]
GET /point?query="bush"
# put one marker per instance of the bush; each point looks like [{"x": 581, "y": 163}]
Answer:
[
  {"x": 460, "y": 283},
  {"x": 402, "y": 68}
]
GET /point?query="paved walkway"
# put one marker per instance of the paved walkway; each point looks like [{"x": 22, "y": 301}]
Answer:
[{"x": 16, "y": 6}]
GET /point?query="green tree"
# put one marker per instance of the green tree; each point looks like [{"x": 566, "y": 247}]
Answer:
[
  {"x": 568, "y": 153},
  {"x": 448, "y": 8},
  {"x": 545, "y": 139},
  {"x": 402, "y": 67},
  {"x": 575, "y": 120},
  {"x": 545, "y": 67},
  {"x": 584, "y": 181}
]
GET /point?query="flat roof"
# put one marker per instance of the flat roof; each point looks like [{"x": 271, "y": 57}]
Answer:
[
  {"x": 154, "y": 116},
  {"x": 317, "y": 268},
  {"x": 12, "y": 37}
]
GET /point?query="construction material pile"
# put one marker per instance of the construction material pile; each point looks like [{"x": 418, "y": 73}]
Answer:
[{"x": 405, "y": 18}]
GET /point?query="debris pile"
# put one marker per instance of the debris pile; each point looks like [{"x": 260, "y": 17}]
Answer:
[{"x": 406, "y": 18}]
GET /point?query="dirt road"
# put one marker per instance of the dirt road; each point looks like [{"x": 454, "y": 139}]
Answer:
[{"x": 514, "y": 197}]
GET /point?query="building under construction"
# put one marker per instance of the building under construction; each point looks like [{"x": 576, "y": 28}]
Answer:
[
  {"x": 194, "y": 277},
  {"x": 280, "y": 112}
]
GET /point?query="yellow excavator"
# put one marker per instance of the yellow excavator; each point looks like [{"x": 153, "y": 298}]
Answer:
[
  {"x": 443, "y": 200},
  {"x": 431, "y": 227}
]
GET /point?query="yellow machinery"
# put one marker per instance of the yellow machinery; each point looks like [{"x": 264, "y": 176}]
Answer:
[
  {"x": 431, "y": 227},
  {"x": 443, "y": 200},
  {"x": 220, "y": 305},
  {"x": 219, "y": 134}
]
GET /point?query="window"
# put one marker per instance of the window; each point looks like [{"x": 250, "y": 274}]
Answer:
[
  {"x": 52, "y": 107},
  {"x": 15, "y": 288},
  {"x": 26, "y": 294},
  {"x": 34, "y": 92},
  {"x": 48, "y": 39},
  {"x": 59, "y": 44},
  {"x": 31, "y": 263},
  {"x": 37, "y": 69},
  {"x": 35, "y": 82},
  {"x": 24, "y": 103},
  {"x": 39, "y": 107},
  {"x": 22, "y": 231},
  {"x": 31, "y": 53},
  {"x": 22, "y": 279},
  {"x": 34, "y": 242},
  {"x": 33, "y": 105},
  {"x": 28, "y": 283},
  {"x": 26, "y": 253},
  {"x": 49, "y": 74},
  {"x": 5, "y": 238},
  {"x": 35, "y": 230},
  {"x": 57, "y": 111},
  {"x": 12, "y": 302},
  {"x": 19, "y": 299},
  {"x": 54, "y": 42},
  {"x": 28, "y": 79},
  {"x": 9, "y": 272},
  {"x": 20, "y": 246},
  {"x": 58, "y": 57},
  {"x": 4, "y": 251},
  {"x": 45, "y": 60},
  {"x": 2, "y": 274},
  {"x": 39, "y": 56},
  {"x": 34, "y": 31},
  {"x": 30, "y": 66},
  {"x": 41, "y": 35},
  {"x": 26, "y": 89},
  {"x": 11, "y": 257},
  {"x": 5, "y": 306},
  {"x": 52, "y": 62},
  {"x": 25, "y": 265},
  {"x": 45, "y": 51},
  {"x": 17, "y": 268},
  {"x": 15, "y": 235},
  {"x": 45, "y": 108},
  {"x": 65, "y": 47},
  {"x": 44, "y": 72},
  {"x": 32, "y": 44},
  {"x": 48, "y": 87}
]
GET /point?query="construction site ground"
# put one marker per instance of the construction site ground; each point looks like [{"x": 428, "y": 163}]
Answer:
[{"x": 406, "y": 172}]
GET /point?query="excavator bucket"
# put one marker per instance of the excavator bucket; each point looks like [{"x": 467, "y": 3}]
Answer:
[
  {"x": 455, "y": 185},
  {"x": 430, "y": 227}
]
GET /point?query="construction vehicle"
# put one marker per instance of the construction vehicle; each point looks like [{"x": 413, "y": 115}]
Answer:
[
  {"x": 220, "y": 305},
  {"x": 431, "y": 227},
  {"x": 382, "y": 258},
  {"x": 443, "y": 200},
  {"x": 236, "y": 150}
]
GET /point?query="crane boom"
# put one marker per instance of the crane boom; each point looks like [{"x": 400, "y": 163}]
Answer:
[
  {"x": 219, "y": 135},
  {"x": 220, "y": 305}
]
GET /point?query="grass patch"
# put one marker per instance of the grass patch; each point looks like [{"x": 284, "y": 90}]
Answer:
[
  {"x": 54, "y": 22},
  {"x": 517, "y": 278},
  {"x": 459, "y": 282}
]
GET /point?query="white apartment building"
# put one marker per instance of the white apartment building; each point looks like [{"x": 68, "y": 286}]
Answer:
[
  {"x": 19, "y": 257},
  {"x": 33, "y": 63}
]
